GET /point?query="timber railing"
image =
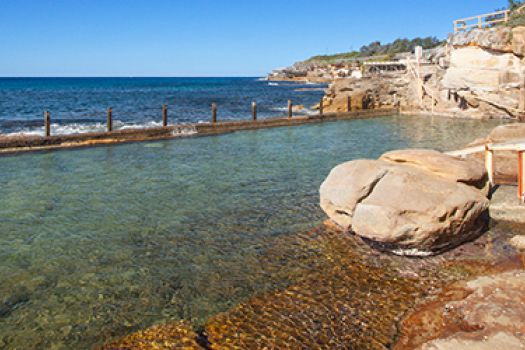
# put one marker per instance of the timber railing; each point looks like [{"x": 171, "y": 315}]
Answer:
[
  {"x": 485, "y": 21},
  {"x": 489, "y": 149},
  {"x": 47, "y": 141}
]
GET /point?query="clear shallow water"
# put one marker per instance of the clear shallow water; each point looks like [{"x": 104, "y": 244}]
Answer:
[
  {"x": 99, "y": 242},
  {"x": 79, "y": 104}
]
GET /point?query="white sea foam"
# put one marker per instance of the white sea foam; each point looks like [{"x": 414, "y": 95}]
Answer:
[
  {"x": 81, "y": 128},
  {"x": 184, "y": 129},
  {"x": 273, "y": 84}
]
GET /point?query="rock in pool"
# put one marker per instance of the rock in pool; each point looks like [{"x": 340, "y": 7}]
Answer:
[{"x": 406, "y": 203}]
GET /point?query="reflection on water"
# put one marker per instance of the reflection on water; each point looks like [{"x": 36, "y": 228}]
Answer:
[{"x": 99, "y": 242}]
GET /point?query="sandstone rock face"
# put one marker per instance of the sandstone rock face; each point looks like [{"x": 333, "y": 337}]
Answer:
[
  {"x": 496, "y": 39},
  {"x": 407, "y": 209},
  {"x": 455, "y": 169},
  {"x": 518, "y": 242},
  {"x": 518, "y": 41},
  {"x": 486, "y": 313},
  {"x": 368, "y": 92},
  {"x": 476, "y": 69}
]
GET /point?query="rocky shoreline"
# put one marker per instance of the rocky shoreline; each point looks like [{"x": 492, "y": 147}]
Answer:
[{"x": 476, "y": 74}]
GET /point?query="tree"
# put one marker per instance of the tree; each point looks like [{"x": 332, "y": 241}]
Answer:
[{"x": 514, "y": 4}]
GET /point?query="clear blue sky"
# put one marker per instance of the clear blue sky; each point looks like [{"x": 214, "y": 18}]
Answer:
[{"x": 205, "y": 37}]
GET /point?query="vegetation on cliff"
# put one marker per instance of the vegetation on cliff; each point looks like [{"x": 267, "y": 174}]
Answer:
[{"x": 376, "y": 48}]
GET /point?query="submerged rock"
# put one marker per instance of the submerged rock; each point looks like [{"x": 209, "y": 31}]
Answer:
[
  {"x": 408, "y": 209},
  {"x": 179, "y": 335}
]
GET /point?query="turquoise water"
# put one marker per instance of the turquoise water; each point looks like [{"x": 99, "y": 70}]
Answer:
[{"x": 98, "y": 242}]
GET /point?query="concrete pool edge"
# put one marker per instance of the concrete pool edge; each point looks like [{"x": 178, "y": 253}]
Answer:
[{"x": 24, "y": 143}]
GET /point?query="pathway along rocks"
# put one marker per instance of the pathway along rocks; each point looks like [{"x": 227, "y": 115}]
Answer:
[{"x": 407, "y": 203}]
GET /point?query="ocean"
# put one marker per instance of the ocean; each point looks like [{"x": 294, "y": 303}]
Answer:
[{"x": 79, "y": 104}]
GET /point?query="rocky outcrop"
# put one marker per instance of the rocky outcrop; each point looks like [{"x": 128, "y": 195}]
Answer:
[
  {"x": 366, "y": 93},
  {"x": 494, "y": 39},
  {"x": 486, "y": 313},
  {"x": 404, "y": 203},
  {"x": 479, "y": 74},
  {"x": 485, "y": 74}
]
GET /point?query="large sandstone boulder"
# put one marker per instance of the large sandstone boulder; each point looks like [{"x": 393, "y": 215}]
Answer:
[
  {"x": 452, "y": 168},
  {"x": 406, "y": 209}
]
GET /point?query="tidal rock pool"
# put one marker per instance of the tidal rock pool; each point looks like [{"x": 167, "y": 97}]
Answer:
[{"x": 101, "y": 242}]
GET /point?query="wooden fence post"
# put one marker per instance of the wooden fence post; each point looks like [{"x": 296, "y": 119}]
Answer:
[
  {"x": 521, "y": 176},
  {"x": 290, "y": 109},
  {"x": 349, "y": 104},
  {"x": 321, "y": 107},
  {"x": 254, "y": 110},
  {"x": 47, "y": 123},
  {"x": 110, "y": 119},
  {"x": 489, "y": 163},
  {"x": 164, "y": 115},
  {"x": 214, "y": 112}
]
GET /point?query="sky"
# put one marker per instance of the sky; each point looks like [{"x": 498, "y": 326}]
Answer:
[{"x": 205, "y": 37}]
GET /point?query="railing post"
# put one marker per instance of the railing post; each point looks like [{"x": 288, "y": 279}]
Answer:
[
  {"x": 164, "y": 115},
  {"x": 480, "y": 22},
  {"x": 489, "y": 163},
  {"x": 521, "y": 176},
  {"x": 214, "y": 112},
  {"x": 321, "y": 107},
  {"x": 290, "y": 109},
  {"x": 349, "y": 104},
  {"x": 47, "y": 123},
  {"x": 110, "y": 119},
  {"x": 254, "y": 110}
]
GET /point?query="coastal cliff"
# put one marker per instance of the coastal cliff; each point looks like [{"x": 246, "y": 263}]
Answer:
[{"x": 475, "y": 74}]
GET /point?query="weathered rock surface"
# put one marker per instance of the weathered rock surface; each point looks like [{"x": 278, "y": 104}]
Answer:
[
  {"x": 408, "y": 210},
  {"x": 367, "y": 92},
  {"x": 178, "y": 335},
  {"x": 486, "y": 313},
  {"x": 455, "y": 169},
  {"x": 479, "y": 70},
  {"x": 496, "y": 39},
  {"x": 518, "y": 242},
  {"x": 507, "y": 132},
  {"x": 505, "y": 206}
]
